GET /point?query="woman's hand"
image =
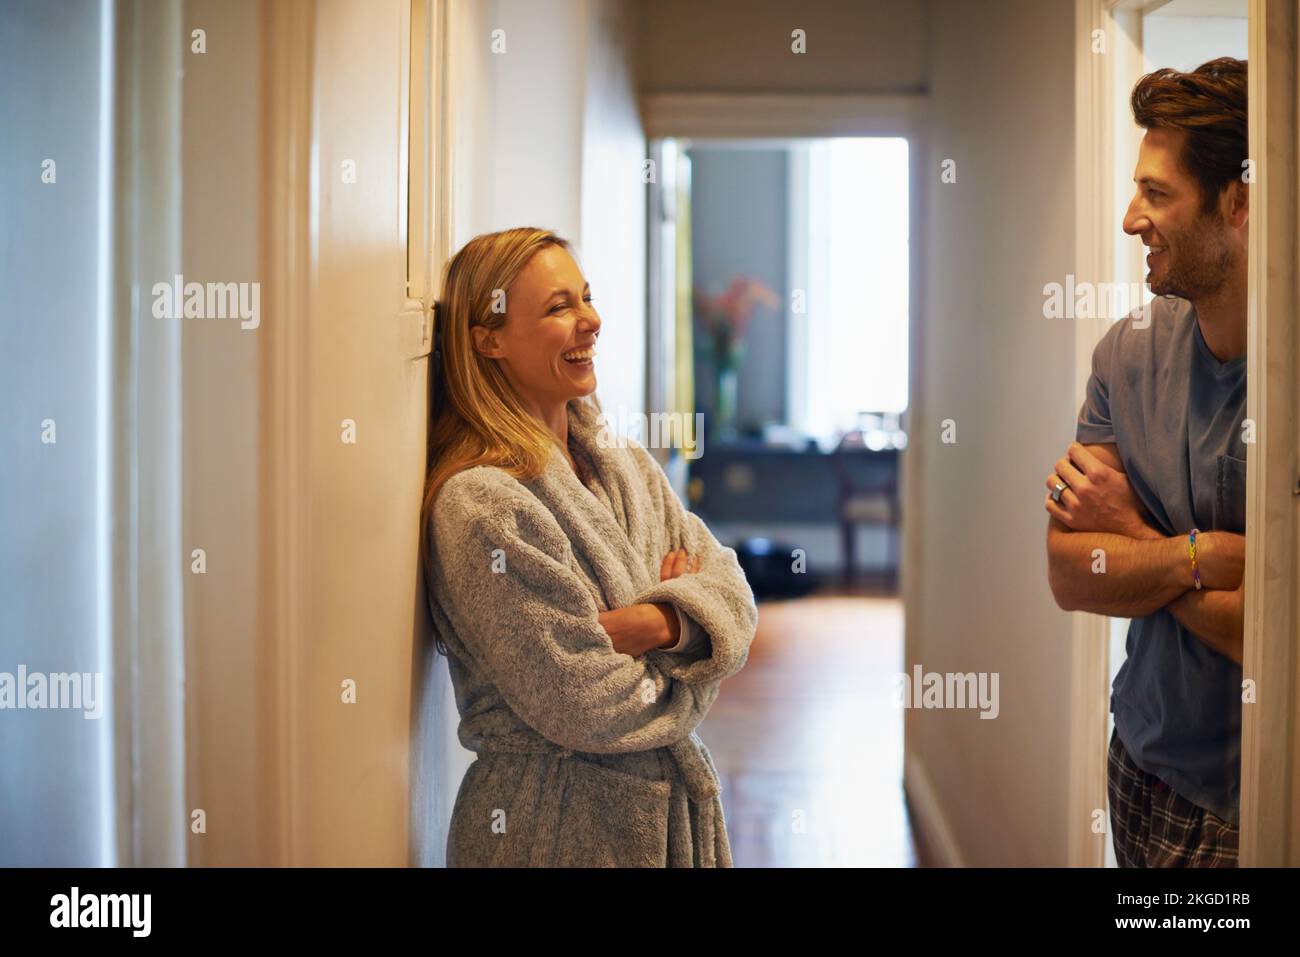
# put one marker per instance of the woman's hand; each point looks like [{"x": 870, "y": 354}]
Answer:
[
  {"x": 636, "y": 629},
  {"x": 678, "y": 563}
]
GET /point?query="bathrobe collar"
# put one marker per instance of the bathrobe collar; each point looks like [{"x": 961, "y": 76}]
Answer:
[{"x": 604, "y": 523}]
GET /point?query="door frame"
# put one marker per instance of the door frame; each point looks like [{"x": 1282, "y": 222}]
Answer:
[
  {"x": 1102, "y": 147},
  {"x": 1270, "y": 773},
  {"x": 1270, "y": 769},
  {"x": 717, "y": 116}
]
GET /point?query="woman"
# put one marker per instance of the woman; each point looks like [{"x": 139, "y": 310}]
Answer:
[{"x": 587, "y": 617}]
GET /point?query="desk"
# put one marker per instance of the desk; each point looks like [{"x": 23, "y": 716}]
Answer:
[{"x": 749, "y": 482}]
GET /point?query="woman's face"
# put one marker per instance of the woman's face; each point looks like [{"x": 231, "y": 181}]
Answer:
[{"x": 546, "y": 346}]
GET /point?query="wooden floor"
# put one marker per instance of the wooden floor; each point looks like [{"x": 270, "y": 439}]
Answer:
[{"x": 809, "y": 742}]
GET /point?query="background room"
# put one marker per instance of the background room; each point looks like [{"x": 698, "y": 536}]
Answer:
[{"x": 793, "y": 345}]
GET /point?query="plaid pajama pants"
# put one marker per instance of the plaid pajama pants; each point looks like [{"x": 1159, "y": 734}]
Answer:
[{"x": 1154, "y": 827}]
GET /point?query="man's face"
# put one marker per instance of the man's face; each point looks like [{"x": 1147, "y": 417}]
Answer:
[{"x": 1190, "y": 254}]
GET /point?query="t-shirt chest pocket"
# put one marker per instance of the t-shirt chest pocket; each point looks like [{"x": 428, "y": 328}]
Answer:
[{"x": 1230, "y": 495}]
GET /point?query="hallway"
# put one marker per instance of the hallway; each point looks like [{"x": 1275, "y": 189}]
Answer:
[
  {"x": 808, "y": 741},
  {"x": 230, "y": 330}
]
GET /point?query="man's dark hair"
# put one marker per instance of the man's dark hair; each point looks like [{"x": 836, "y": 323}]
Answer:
[{"x": 1210, "y": 105}]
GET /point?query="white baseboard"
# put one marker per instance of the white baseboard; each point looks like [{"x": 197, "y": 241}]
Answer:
[{"x": 929, "y": 825}]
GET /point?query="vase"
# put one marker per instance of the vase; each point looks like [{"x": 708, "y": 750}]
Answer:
[{"x": 728, "y": 383}]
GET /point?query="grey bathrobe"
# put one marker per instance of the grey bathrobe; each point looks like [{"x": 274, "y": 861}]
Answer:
[{"x": 585, "y": 756}]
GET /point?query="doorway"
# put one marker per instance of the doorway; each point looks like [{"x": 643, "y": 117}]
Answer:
[
  {"x": 1137, "y": 36},
  {"x": 783, "y": 319}
]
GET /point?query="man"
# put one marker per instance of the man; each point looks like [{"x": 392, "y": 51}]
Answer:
[{"x": 1159, "y": 464}]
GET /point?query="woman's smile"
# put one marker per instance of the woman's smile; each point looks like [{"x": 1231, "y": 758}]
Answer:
[{"x": 580, "y": 358}]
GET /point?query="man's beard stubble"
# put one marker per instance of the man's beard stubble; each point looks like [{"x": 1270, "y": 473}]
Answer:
[{"x": 1202, "y": 263}]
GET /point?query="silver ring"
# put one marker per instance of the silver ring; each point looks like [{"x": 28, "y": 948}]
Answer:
[{"x": 1056, "y": 492}]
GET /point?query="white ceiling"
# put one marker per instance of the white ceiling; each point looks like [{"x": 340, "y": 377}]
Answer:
[{"x": 1202, "y": 8}]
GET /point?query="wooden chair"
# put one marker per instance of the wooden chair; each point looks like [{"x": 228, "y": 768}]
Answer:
[{"x": 862, "y": 500}]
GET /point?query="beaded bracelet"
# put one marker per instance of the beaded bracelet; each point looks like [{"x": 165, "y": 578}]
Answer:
[{"x": 1191, "y": 548}]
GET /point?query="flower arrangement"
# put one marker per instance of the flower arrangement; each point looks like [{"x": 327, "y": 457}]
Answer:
[
  {"x": 722, "y": 320},
  {"x": 725, "y": 318}
]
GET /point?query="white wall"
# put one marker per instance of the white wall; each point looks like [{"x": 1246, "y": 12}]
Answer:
[
  {"x": 1184, "y": 43},
  {"x": 613, "y": 197},
  {"x": 56, "y": 780},
  {"x": 743, "y": 46},
  {"x": 1002, "y": 93}
]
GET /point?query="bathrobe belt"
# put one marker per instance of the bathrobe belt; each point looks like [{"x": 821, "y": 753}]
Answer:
[{"x": 697, "y": 772}]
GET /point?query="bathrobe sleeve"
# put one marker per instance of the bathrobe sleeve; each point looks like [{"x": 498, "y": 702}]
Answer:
[
  {"x": 717, "y": 596},
  {"x": 530, "y": 622},
  {"x": 691, "y": 636}
]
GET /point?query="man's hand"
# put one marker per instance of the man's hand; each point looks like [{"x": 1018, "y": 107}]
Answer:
[
  {"x": 1147, "y": 570},
  {"x": 1221, "y": 559},
  {"x": 1216, "y": 617},
  {"x": 1143, "y": 570},
  {"x": 1098, "y": 498}
]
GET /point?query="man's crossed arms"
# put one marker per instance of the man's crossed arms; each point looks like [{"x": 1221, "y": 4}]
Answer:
[{"x": 1144, "y": 570}]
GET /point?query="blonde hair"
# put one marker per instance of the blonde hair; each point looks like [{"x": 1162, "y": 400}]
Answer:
[{"x": 475, "y": 415}]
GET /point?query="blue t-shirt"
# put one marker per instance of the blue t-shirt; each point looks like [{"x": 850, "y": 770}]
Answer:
[{"x": 1174, "y": 413}]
